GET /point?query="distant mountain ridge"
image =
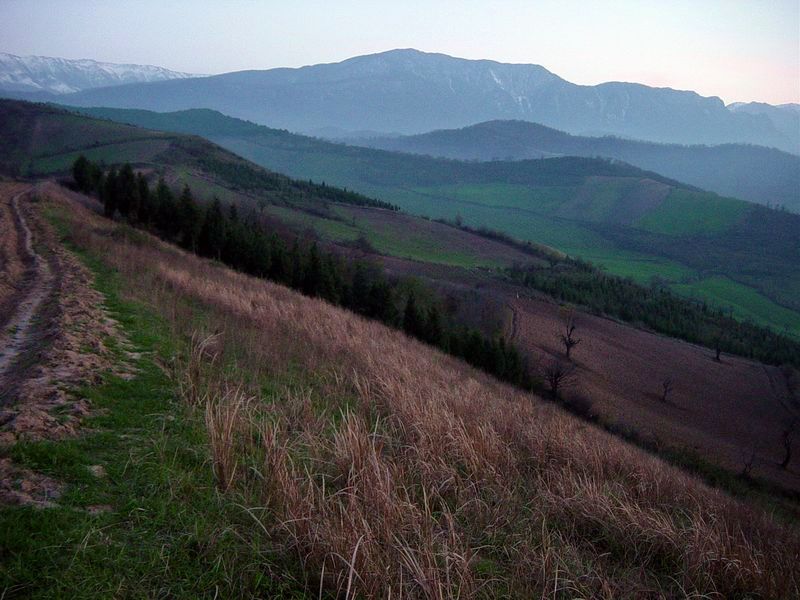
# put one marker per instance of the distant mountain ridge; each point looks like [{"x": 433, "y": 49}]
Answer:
[
  {"x": 409, "y": 92},
  {"x": 64, "y": 76},
  {"x": 785, "y": 117},
  {"x": 755, "y": 173}
]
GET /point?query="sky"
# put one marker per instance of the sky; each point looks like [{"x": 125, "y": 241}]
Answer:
[{"x": 735, "y": 49}]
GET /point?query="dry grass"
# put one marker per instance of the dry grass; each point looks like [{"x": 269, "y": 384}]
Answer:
[{"x": 394, "y": 471}]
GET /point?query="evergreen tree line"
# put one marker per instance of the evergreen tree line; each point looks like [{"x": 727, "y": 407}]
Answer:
[
  {"x": 579, "y": 282},
  {"x": 243, "y": 176},
  {"x": 220, "y": 233}
]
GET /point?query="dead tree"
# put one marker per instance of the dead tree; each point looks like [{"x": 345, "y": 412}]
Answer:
[
  {"x": 747, "y": 462},
  {"x": 666, "y": 388},
  {"x": 787, "y": 438},
  {"x": 568, "y": 337},
  {"x": 558, "y": 374}
]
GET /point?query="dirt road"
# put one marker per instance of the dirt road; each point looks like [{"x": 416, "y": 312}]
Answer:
[
  {"x": 53, "y": 326},
  {"x": 37, "y": 285}
]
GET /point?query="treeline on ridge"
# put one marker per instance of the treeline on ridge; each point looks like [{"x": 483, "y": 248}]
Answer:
[
  {"x": 245, "y": 245},
  {"x": 579, "y": 282}
]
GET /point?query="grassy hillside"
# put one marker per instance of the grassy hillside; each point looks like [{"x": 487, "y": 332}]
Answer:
[
  {"x": 42, "y": 140},
  {"x": 292, "y": 449},
  {"x": 632, "y": 222}
]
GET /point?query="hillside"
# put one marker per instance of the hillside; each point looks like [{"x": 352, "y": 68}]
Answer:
[
  {"x": 754, "y": 173},
  {"x": 42, "y": 140},
  {"x": 408, "y": 92},
  {"x": 632, "y": 222},
  {"x": 290, "y": 437}
]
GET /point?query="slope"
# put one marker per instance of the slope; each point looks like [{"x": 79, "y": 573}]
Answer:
[
  {"x": 635, "y": 223},
  {"x": 335, "y": 454},
  {"x": 38, "y": 140},
  {"x": 761, "y": 175}
]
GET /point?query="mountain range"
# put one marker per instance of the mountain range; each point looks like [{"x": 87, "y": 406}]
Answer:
[
  {"x": 44, "y": 74},
  {"x": 410, "y": 92}
]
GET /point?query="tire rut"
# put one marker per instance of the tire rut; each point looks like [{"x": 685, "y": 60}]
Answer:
[{"x": 17, "y": 333}]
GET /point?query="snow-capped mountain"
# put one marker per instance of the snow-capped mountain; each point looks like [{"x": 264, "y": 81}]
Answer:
[
  {"x": 63, "y": 76},
  {"x": 408, "y": 92}
]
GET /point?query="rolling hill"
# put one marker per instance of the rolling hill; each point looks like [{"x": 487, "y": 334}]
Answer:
[
  {"x": 408, "y": 92},
  {"x": 633, "y": 222},
  {"x": 754, "y": 173}
]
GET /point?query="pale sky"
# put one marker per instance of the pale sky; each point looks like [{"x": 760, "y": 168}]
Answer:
[{"x": 735, "y": 49}]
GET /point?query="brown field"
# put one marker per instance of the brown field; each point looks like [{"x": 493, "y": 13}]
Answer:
[
  {"x": 392, "y": 470},
  {"x": 724, "y": 411},
  {"x": 432, "y": 238}
]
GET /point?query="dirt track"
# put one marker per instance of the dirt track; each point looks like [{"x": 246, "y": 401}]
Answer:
[
  {"x": 38, "y": 284},
  {"x": 54, "y": 338}
]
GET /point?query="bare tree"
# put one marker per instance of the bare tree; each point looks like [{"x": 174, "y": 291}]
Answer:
[
  {"x": 558, "y": 374},
  {"x": 787, "y": 438},
  {"x": 666, "y": 388},
  {"x": 568, "y": 336},
  {"x": 747, "y": 461}
]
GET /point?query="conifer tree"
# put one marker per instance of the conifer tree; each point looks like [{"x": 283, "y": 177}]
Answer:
[
  {"x": 294, "y": 264},
  {"x": 82, "y": 174},
  {"x": 278, "y": 267},
  {"x": 128, "y": 193},
  {"x": 312, "y": 277},
  {"x": 433, "y": 327},
  {"x": 359, "y": 290},
  {"x": 211, "y": 238},
  {"x": 380, "y": 304},
  {"x": 412, "y": 321},
  {"x": 145, "y": 209},
  {"x": 189, "y": 219},
  {"x": 110, "y": 194},
  {"x": 166, "y": 211}
]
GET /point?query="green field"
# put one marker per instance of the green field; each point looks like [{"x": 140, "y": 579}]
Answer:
[
  {"x": 688, "y": 213},
  {"x": 134, "y": 151},
  {"x": 394, "y": 235},
  {"x": 745, "y": 303}
]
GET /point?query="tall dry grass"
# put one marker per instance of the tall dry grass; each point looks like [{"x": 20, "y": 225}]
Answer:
[{"x": 393, "y": 471}]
